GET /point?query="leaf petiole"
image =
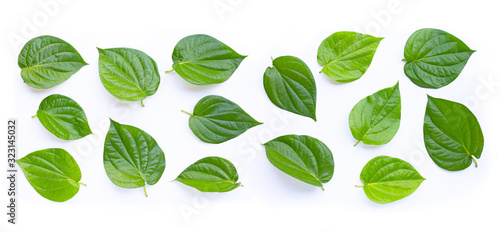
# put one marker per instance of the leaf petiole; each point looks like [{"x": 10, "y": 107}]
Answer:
[
  {"x": 82, "y": 184},
  {"x": 145, "y": 193},
  {"x": 473, "y": 159},
  {"x": 359, "y": 186},
  {"x": 357, "y": 142},
  {"x": 34, "y": 116},
  {"x": 142, "y": 103},
  {"x": 187, "y": 113}
]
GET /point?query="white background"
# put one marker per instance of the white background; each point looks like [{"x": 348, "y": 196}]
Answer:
[{"x": 270, "y": 200}]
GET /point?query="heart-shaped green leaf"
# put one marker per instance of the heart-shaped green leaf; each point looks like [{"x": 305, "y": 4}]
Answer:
[
  {"x": 302, "y": 157},
  {"x": 204, "y": 60},
  {"x": 132, "y": 157},
  {"x": 63, "y": 117},
  {"x": 216, "y": 119},
  {"x": 347, "y": 55},
  {"x": 290, "y": 85},
  {"x": 452, "y": 134},
  {"x": 387, "y": 179},
  {"x": 435, "y": 58},
  {"x": 375, "y": 119},
  {"x": 53, "y": 173},
  {"x": 47, "y": 61},
  {"x": 128, "y": 74},
  {"x": 210, "y": 174}
]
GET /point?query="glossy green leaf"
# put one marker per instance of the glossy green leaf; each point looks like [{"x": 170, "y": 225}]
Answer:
[
  {"x": 63, "y": 117},
  {"x": 290, "y": 85},
  {"x": 132, "y": 157},
  {"x": 302, "y": 157},
  {"x": 47, "y": 61},
  {"x": 387, "y": 179},
  {"x": 434, "y": 58},
  {"x": 128, "y": 74},
  {"x": 452, "y": 134},
  {"x": 347, "y": 55},
  {"x": 375, "y": 119},
  {"x": 204, "y": 60},
  {"x": 210, "y": 174},
  {"x": 53, "y": 173},
  {"x": 216, "y": 119}
]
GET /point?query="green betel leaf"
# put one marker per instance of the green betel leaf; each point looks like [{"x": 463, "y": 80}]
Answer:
[
  {"x": 434, "y": 58},
  {"x": 210, "y": 174},
  {"x": 375, "y": 119},
  {"x": 53, "y": 173},
  {"x": 347, "y": 55},
  {"x": 128, "y": 74},
  {"x": 387, "y": 179},
  {"x": 452, "y": 134},
  {"x": 216, "y": 119},
  {"x": 302, "y": 157},
  {"x": 63, "y": 117},
  {"x": 47, "y": 61},
  {"x": 290, "y": 85},
  {"x": 204, "y": 60},
  {"x": 132, "y": 157}
]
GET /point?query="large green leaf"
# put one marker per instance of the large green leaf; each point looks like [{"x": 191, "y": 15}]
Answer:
[
  {"x": 387, "y": 179},
  {"x": 47, "y": 61},
  {"x": 290, "y": 85},
  {"x": 63, "y": 117},
  {"x": 53, "y": 173},
  {"x": 204, "y": 60},
  {"x": 302, "y": 157},
  {"x": 216, "y": 119},
  {"x": 132, "y": 157},
  {"x": 435, "y": 58},
  {"x": 128, "y": 74},
  {"x": 347, "y": 55},
  {"x": 210, "y": 174},
  {"x": 375, "y": 119},
  {"x": 452, "y": 134}
]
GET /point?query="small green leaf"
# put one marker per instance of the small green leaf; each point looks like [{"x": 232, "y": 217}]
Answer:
[
  {"x": 347, "y": 55},
  {"x": 132, "y": 157},
  {"x": 290, "y": 85},
  {"x": 387, "y": 179},
  {"x": 53, "y": 173},
  {"x": 452, "y": 134},
  {"x": 210, "y": 174},
  {"x": 216, "y": 119},
  {"x": 47, "y": 61},
  {"x": 128, "y": 74},
  {"x": 302, "y": 157},
  {"x": 375, "y": 119},
  {"x": 204, "y": 60},
  {"x": 63, "y": 117},
  {"x": 435, "y": 58}
]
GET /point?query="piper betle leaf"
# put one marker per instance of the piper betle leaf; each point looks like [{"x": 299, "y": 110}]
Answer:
[
  {"x": 302, "y": 157},
  {"x": 216, "y": 119},
  {"x": 53, "y": 173},
  {"x": 128, "y": 74},
  {"x": 47, "y": 61},
  {"x": 387, "y": 179},
  {"x": 375, "y": 119},
  {"x": 210, "y": 174},
  {"x": 132, "y": 157},
  {"x": 434, "y": 58},
  {"x": 63, "y": 117},
  {"x": 290, "y": 85},
  {"x": 204, "y": 60},
  {"x": 347, "y": 55},
  {"x": 452, "y": 134}
]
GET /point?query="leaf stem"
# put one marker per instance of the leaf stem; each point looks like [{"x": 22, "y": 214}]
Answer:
[
  {"x": 145, "y": 193},
  {"x": 359, "y": 186},
  {"x": 142, "y": 103},
  {"x": 473, "y": 159},
  {"x": 187, "y": 112},
  {"x": 403, "y": 60},
  {"x": 34, "y": 116},
  {"x": 82, "y": 184},
  {"x": 169, "y": 71},
  {"x": 357, "y": 142},
  {"x": 322, "y": 188}
]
